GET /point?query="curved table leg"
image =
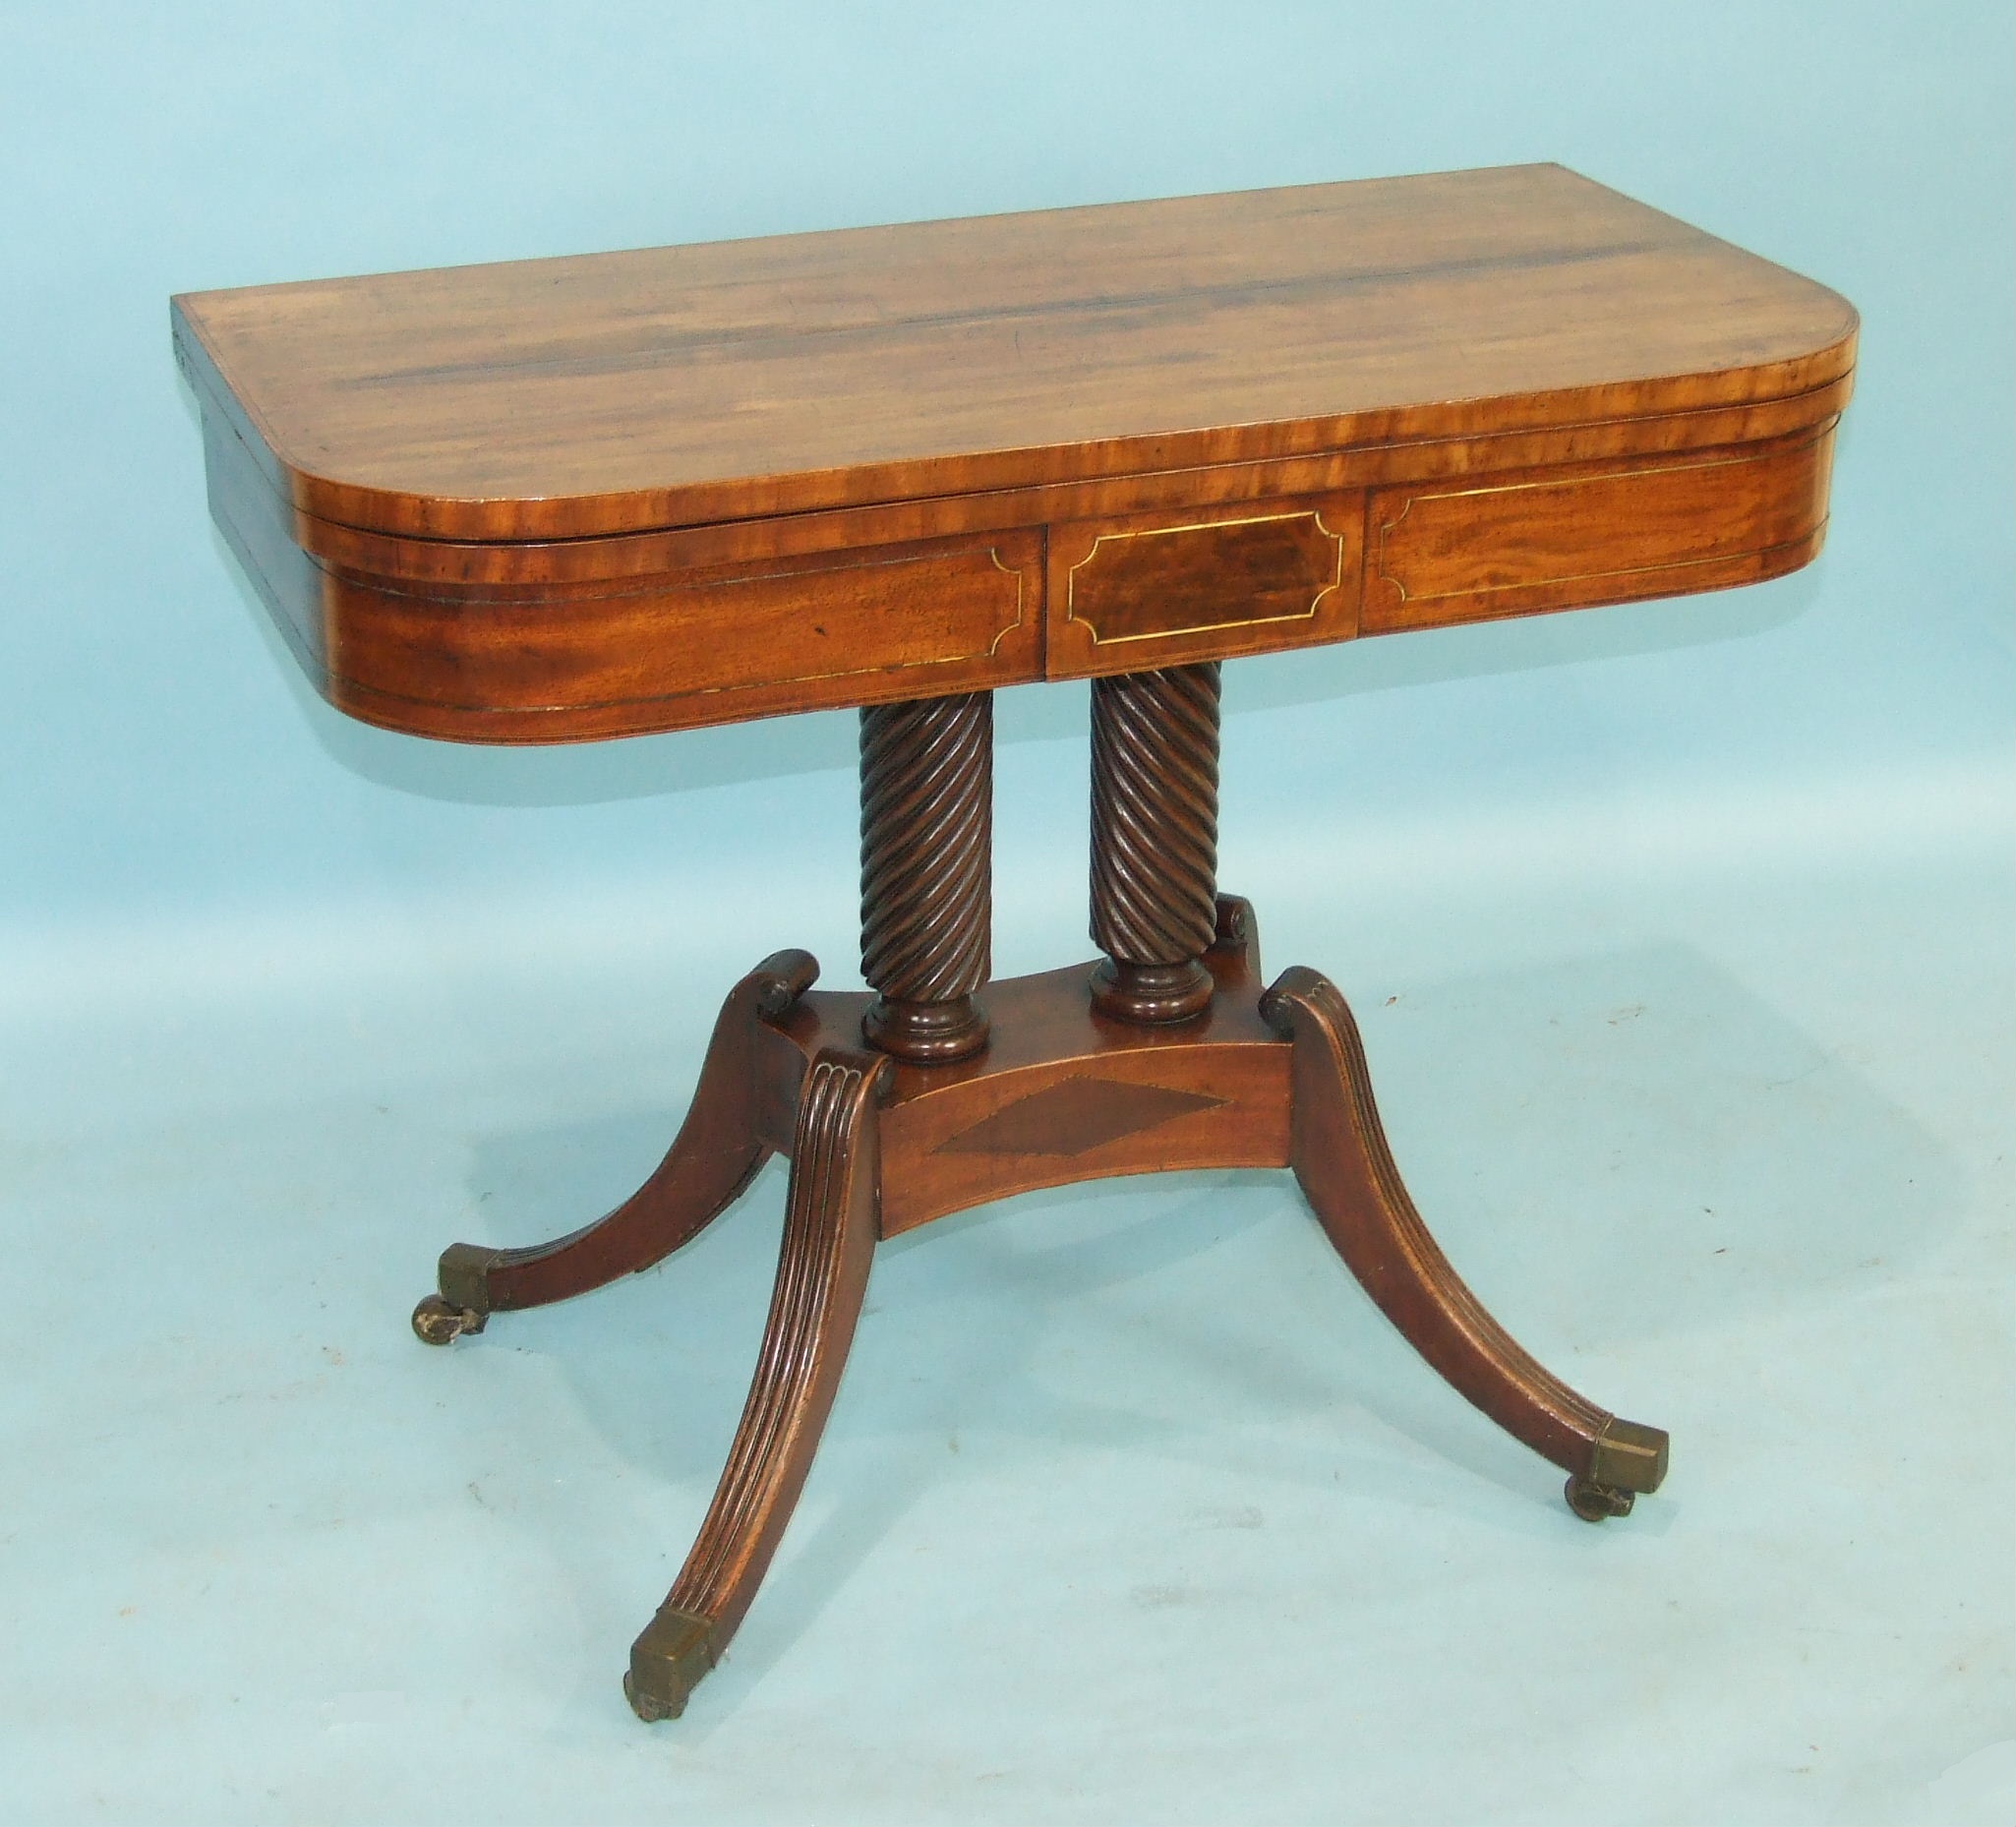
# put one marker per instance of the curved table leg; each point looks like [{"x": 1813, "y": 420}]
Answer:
[
  {"x": 1341, "y": 1159},
  {"x": 822, "y": 1273},
  {"x": 715, "y": 1155}
]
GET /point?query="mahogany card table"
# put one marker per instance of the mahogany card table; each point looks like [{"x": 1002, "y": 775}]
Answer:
[{"x": 895, "y": 468}]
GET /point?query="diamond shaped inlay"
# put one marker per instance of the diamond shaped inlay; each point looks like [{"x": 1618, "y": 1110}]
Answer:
[{"x": 1073, "y": 1116}]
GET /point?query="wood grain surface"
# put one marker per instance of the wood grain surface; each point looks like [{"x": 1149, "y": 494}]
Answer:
[
  {"x": 1594, "y": 533},
  {"x": 1136, "y": 592},
  {"x": 673, "y": 385},
  {"x": 553, "y": 500},
  {"x": 1063, "y": 1094}
]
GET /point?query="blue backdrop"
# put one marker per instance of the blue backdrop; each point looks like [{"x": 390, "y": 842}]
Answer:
[{"x": 286, "y": 1003}]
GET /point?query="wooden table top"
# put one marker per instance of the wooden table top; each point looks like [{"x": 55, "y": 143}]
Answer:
[
  {"x": 590, "y": 437},
  {"x": 665, "y": 388}
]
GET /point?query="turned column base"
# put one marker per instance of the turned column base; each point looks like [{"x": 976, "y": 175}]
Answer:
[
  {"x": 1152, "y": 995},
  {"x": 926, "y": 1033}
]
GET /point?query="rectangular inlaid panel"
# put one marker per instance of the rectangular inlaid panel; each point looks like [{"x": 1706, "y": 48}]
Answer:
[
  {"x": 1139, "y": 591},
  {"x": 1447, "y": 551}
]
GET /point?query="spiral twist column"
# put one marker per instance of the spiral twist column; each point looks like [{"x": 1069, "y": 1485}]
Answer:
[
  {"x": 928, "y": 782},
  {"x": 1155, "y": 834}
]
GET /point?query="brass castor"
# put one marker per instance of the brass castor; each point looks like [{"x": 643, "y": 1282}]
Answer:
[
  {"x": 650, "y": 1707},
  {"x": 674, "y": 1649},
  {"x": 1592, "y": 1502},
  {"x": 436, "y": 1323}
]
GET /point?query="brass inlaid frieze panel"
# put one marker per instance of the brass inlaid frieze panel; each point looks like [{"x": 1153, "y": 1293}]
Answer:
[{"x": 1142, "y": 592}]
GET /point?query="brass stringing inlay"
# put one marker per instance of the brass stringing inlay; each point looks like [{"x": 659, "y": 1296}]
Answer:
[
  {"x": 1652, "y": 474},
  {"x": 1312, "y": 515}
]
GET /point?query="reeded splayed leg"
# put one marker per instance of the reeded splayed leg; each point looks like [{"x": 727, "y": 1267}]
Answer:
[
  {"x": 928, "y": 808},
  {"x": 715, "y": 1155},
  {"x": 1341, "y": 1159},
  {"x": 1154, "y": 833},
  {"x": 822, "y": 1273}
]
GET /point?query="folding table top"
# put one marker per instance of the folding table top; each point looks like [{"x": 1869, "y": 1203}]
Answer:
[{"x": 679, "y": 386}]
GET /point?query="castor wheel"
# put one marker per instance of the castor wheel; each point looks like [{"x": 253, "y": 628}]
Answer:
[
  {"x": 436, "y": 1323},
  {"x": 1594, "y": 1502}
]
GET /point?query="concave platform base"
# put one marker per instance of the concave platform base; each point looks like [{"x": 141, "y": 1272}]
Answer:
[{"x": 1062, "y": 1093}]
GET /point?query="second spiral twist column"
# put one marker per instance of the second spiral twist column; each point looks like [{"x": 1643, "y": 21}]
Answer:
[{"x": 1154, "y": 833}]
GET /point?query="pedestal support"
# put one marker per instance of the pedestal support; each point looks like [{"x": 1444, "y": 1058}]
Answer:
[{"x": 1166, "y": 1055}]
